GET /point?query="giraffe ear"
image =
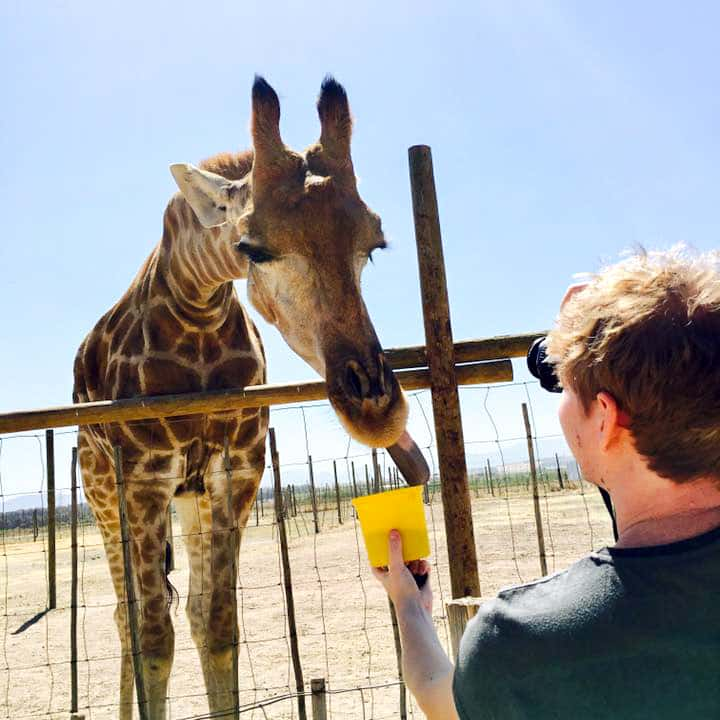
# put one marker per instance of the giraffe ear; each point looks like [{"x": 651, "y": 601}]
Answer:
[
  {"x": 207, "y": 194},
  {"x": 335, "y": 123}
]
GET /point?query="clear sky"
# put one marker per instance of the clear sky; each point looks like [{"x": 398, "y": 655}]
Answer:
[{"x": 562, "y": 133}]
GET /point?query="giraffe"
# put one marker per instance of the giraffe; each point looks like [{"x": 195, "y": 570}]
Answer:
[{"x": 294, "y": 226}]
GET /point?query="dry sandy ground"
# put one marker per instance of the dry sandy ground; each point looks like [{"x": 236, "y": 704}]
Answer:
[{"x": 343, "y": 616}]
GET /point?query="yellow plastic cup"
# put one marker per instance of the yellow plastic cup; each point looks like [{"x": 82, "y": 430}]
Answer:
[{"x": 400, "y": 510}]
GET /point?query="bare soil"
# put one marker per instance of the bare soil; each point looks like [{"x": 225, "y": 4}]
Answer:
[{"x": 342, "y": 613}]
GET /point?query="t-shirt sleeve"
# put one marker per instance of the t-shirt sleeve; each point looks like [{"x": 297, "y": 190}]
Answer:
[{"x": 476, "y": 683}]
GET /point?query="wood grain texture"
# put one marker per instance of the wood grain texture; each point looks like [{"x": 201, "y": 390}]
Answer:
[
  {"x": 201, "y": 403},
  {"x": 464, "y": 577}
]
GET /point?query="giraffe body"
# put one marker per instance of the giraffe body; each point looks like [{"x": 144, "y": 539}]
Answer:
[
  {"x": 294, "y": 226},
  {"x": 149, "y": 344}
]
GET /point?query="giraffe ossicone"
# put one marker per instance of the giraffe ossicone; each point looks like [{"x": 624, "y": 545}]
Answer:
[{"x": 293, "y": 225}]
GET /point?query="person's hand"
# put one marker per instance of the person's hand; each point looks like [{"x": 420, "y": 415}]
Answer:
[{"x": 398, "y": 580}]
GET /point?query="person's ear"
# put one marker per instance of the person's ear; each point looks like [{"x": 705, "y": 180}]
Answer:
[{"x": 612, "y": 421}]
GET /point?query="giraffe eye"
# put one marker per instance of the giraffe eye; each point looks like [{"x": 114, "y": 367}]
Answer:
[{"x": 254, "y": 253}]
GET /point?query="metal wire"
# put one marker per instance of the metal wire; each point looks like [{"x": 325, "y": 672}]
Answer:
[{"x": 266, "y": 663}]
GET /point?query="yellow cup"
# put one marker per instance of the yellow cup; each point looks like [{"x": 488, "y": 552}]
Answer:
[{"x": 400, "y": 510}]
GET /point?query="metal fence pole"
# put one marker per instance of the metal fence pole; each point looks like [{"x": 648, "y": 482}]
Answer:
[
  {"x": 73, "y": 585},
  {"x": 131, "y": 603},
  {"x": 313, "y": 498},
  {"x": 337, "y": 493},
  {"x": 50, "y": 453},
  {"x": 287, "y": 578},
  {"x": 170, "y": 539},
  {"x": 560, "y": 477},
  {"x": 398, "y": 655},
  {"x": 233, "y": 539}
]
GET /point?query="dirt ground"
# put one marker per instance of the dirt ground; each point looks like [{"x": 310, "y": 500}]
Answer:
[{"x": 343, "y": 617}]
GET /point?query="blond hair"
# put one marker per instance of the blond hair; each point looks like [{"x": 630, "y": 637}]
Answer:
[{"x": 647, "y": 331}]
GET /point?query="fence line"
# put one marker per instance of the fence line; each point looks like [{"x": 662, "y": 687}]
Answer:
[{"x": 353, "y": 648}]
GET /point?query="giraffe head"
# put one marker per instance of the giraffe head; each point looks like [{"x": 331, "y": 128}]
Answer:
[{"x": 304, "y": 235}]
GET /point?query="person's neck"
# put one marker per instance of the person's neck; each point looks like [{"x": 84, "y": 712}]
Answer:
[{"x": 652, "y": 510}]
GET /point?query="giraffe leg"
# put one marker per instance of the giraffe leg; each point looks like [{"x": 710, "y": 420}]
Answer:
[
  {"x": 147, "y": 503},
  {"x": 99, "y": 485},
  {"x": 195, "y": 517},
  {"x": 206, "y": 522}
]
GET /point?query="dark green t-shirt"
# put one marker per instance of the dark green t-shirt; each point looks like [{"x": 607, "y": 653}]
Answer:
[{"x": 624, "y": 634}]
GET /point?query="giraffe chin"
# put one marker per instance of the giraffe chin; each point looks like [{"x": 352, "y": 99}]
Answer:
[
  {"x": 388, "y": 432},
  {"x": 371, "y": 428}
]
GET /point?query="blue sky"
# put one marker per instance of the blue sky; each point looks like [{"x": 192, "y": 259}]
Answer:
[{"x": 562, "y": 133}]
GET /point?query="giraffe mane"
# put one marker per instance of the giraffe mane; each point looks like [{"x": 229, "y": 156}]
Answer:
[{"x": 231, "y": 165}]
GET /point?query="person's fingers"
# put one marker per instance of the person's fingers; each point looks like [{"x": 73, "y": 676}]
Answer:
[
  {"x": 379, "y": 573},
  {"x": 423, "y": 567},
  {"x": 414, "y": 567},
  {"x": 395, "y": 556}
]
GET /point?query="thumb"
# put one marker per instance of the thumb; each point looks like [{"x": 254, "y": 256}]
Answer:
[{"x": 395, "y": 554}]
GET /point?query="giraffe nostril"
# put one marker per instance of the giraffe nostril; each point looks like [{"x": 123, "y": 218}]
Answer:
[
  {"x": 384, "y": 374},
  {"x": 356, "y": 381}
]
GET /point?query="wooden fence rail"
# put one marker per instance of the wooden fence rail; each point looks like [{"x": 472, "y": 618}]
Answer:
[{"x": 474, "y": 352}]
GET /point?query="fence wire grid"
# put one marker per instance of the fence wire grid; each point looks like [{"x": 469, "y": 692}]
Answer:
[{"x": 344, "y": 623}]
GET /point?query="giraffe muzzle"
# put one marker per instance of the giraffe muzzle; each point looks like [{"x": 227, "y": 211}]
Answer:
[{"x": 371, "y": 406}]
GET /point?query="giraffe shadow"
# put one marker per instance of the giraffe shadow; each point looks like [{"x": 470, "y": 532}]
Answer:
[{"x": 31, "y": 621}]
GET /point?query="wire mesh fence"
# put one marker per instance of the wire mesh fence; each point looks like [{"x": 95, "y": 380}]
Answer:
[{"x": 344, "y": 626}]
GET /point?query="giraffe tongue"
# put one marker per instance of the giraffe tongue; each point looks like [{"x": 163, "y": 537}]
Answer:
[{"x": 410, "y": 460}]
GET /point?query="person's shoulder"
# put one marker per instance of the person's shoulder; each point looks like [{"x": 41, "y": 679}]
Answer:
[
  {"x": 523, "y": 624},
  {"x": 542, "y": 605}
]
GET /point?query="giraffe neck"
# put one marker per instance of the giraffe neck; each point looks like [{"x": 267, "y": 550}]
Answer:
[{"x": 198, "y": 264}]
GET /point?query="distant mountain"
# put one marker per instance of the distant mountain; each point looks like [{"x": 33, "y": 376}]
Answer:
[{"x": 36, "y": 500}]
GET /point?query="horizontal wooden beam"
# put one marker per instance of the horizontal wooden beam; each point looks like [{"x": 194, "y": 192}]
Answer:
[
  {"x": 502, "y": 346},
  {"x": 201, "y": 403}
]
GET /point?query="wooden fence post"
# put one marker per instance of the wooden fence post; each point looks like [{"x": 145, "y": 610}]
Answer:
[
  {"x": 354, "y": 484},
  {"x": 36, "y": 528},
  {"x": 337, "y": 493},
  {"x": 319, "y": 699},
  {"x": 536, "y": 496},
  {"x": 490, "y": 476},
  {"x": 287, "y": 577},
  {"x": 73, "y": 588},
  {"x": 464, "y": 577},
  {"x": 294, "y": 500},
  {"x": 50, "y": 454},
  {"x": 376, "y": 471},
  {"x": 131, "y": 603},
  {"x": 233, "y": 542},
  {"x": 313, "y": 498},
  {"x": 262, "y": 502},
  {"x": 459, "y": 612},
  {"x": 367, "y": 480}
]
